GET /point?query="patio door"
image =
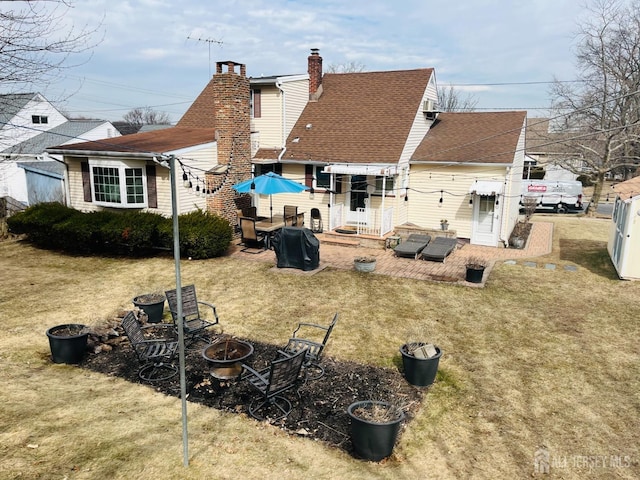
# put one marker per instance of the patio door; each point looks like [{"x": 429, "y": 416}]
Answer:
[
  {"x": 357, "y": 199},
  {"x": 486, "y": 221}
]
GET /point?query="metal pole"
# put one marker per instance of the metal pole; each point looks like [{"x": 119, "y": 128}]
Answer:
[{"x": 176, "y": 256}]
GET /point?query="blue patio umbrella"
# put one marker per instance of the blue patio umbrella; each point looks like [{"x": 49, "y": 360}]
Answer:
[{"x": 269, "y": 184}]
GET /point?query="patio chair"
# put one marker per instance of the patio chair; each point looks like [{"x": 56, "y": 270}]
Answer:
[
  {"x": 316, "y": 220},
  {"x": 439, "y": 249},
  {"x": 280, "y": 376},
  {"x": 250, "y": 238},
  {"x": 313, "y": 344},
  {"x": 290, "y": 215},
  {"x": 195, "y": 325},
  {"x": 412, "y": 246},
  {"x": 155, "y": 354}
]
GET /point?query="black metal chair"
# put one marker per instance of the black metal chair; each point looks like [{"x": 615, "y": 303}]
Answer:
[
  {"x": 195, "y": 325},
  {"x": 312, "y": 344},
  {"x": 250, "y": 238},
  {"x": 316, "y": 220},
  {"x": 280, "y": 376},
  {"x": 155, "y": 354}
]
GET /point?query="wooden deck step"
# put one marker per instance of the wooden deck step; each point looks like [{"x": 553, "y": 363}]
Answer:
[{"x": 337, "y": 240}]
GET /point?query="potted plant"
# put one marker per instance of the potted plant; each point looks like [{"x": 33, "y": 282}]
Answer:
[
  {"x": 365, "y": 263},
  {"x": 68, "y": 342},
  {"x": 444, "y": 224},
  {"x": 374, "y": 428},
  {"x": 475, "y": 269},
  {"x": 420, "y": 362},
  {"x": 152, "y": 304}
]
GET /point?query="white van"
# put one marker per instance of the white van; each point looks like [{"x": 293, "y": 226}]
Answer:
[{"x": 556, "y": 195}]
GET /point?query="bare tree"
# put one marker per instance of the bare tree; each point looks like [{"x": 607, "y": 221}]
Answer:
[
  {"x": 449, "y": 100},
  {"x": 347, "y": 67},
  {"x": 600, "y": 115},
  {"x": 146, "y": 116},
  {"x": 37, "y": 41}
]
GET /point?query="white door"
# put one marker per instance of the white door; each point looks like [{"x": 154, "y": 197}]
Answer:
[{"x": 486, "y": 221}]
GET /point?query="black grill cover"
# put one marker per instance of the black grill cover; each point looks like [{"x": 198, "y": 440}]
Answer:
[{"x": 296, "y": 247}]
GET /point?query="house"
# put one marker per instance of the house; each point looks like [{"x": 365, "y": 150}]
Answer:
[
  {"x": 378, "y": 155},
  {"x": 22, "y": 116},
  {"x": 624, "y": 234},
  {"x": 211, "y": 144},
  {"x": 548, "y": 149},
  {"x": 45, "y": 182},
  {"x": 373, "y": 148}
]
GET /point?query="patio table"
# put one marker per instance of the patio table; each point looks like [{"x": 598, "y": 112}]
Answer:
[{"x": 269, "y": 227}]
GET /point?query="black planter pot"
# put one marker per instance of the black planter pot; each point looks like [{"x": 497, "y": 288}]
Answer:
[
  {"x": 420, "y": 372},
  {"x": 67, "y": 348},
  {"x": 373, "y": 440},
  {"x": 153, "y": 309},
  {"x": 474, "y": 274}
]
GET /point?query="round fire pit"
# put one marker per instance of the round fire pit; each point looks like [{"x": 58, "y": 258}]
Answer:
[{"x": 225, "y": 357}]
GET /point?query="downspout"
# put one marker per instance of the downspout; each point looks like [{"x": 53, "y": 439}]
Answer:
[{"x": 284, "y": 120}]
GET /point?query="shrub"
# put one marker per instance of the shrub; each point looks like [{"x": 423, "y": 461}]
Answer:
[
  {"x": 586, "y": 180},
  {"x": 202, "y": 235},
  {"x": 37, "y": 222}
]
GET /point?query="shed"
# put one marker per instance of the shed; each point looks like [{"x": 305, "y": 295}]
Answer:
[
  {"x": 45, "y": 181},
  {"x": 624, "y": 234}
]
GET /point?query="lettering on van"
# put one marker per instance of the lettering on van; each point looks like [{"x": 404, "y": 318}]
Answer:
[{"x": 537, "y": 188}]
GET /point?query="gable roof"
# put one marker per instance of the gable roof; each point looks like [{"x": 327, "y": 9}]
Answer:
[
  {"x": 146, "y": 144},
  {"x": 11, "y": 104},
  {"x": 628, "y": 189},
  {"x": 472, "y": 137},
  {"x": 66, "y": 133},
  {"x": 359, "y": 118},
  {"x": 201, "y": 112}
]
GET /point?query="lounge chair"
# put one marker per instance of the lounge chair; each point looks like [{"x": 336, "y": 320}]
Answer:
[
  {"x": 439, "y": 249},
  {"x": 412, "y": 246}
]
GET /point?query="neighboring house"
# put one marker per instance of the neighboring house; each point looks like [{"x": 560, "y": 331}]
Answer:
[
  {"x": 547, "y": 148},
  {"x": 624, "y": 234},
  {"x": 22, "y": 116},
  {"x": 23, "y": 184}
]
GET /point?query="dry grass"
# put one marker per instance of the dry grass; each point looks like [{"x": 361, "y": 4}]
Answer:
[{"x": 537, "y": 358}]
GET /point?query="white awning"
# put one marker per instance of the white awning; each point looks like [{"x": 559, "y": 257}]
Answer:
[
  {"x": 486, "y": 188},
  {"x": 377, "y": 170}
]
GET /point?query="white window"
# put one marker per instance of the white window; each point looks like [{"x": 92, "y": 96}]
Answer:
[
  {"x": 388, "y": 185},
  {"x": 118, "y": 184}
]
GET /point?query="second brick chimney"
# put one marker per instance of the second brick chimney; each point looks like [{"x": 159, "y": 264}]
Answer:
[{"x": 315, "y": 74}]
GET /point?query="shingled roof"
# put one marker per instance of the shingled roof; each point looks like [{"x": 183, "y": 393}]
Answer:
[
  {"x": 201, "y": 112},
  {"x": 472, "y": 137},
  {"x": 359, "y": 118},
  {"x": 159, "y": 141},
  {"x": 628, "y": 189}
]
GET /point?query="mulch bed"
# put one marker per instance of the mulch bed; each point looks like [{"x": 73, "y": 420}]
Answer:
[{"x": 319, "y": 413}]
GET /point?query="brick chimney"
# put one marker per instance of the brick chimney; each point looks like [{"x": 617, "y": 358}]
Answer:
[
  {"x": 315, "y": 74},
  {"x": 232, "y": 122}
]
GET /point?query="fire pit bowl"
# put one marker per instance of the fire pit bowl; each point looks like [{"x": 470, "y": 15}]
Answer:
[{"x": 225, "y": 357}]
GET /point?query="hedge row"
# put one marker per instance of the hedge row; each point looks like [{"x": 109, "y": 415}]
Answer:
[{"x": 130, "y": 233}]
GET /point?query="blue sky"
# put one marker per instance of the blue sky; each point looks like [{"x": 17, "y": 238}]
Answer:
[{"x": 154, "y": 52}]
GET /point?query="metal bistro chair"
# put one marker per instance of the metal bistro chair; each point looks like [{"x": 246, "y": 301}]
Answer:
[
  {"x": 250, "y": 238},
  {"x": 280, "y": 376},
  {"x": 312, "y": 347},
  {"x": 155, "y": 354},
  {"x": 291, "y": 215},
  {"x": 195, "y": 325}
]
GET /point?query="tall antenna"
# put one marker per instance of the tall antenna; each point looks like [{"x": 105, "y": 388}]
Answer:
[{"x": 208, "y": 41}]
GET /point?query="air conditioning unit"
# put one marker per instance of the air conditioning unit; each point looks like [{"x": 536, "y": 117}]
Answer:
[{"x": 429, "y": 109}]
